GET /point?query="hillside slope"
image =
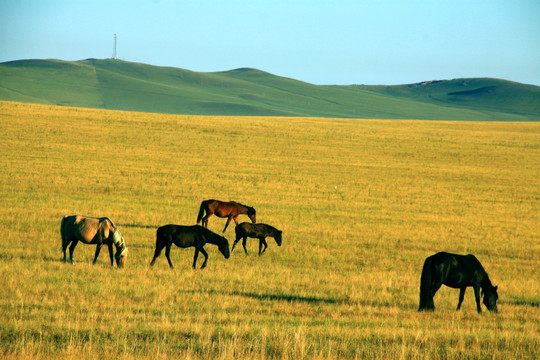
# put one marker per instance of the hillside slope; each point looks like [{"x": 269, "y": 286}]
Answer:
[{"x": 121, "y": 85}]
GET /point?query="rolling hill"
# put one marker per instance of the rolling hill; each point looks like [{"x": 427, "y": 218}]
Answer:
[{"x": 121, "y": 85}]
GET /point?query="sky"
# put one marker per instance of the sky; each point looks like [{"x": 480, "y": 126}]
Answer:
[{"x": 339, "y": 42}]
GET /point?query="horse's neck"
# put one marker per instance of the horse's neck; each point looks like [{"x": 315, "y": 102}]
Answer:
[
  {"x": 240, "y": 207},
  {"x": 118, "y": 240},
  {"x": 216, "y": 240},
  {"x": 272, "y": 230},
  {"x": 486, "y": 283}
]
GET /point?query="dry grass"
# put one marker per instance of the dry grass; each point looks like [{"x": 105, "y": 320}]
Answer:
[{"x": 361, "y": 204}]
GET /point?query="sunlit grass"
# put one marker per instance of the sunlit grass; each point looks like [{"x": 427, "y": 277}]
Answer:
[{"x": 361, "y": 204}]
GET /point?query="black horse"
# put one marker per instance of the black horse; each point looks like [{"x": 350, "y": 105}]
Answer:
[
  {"x": 258, "y": 231},
  {"x": 459, "y": 272},
  {"x": 223, "y": 209},
  {"x": 187, "y": 236}
]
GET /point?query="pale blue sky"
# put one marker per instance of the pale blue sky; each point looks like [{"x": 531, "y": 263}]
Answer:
[{"x": 318, "y": 41}]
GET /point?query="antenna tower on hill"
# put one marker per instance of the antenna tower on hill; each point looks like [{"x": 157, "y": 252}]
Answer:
[{"x": 114, "y": 49}]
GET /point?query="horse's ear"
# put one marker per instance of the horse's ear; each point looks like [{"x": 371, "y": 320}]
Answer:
[{"x": 496, "y": 287}]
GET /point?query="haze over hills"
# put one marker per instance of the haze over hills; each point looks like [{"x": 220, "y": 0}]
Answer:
[{"x": 121, "y": 85}]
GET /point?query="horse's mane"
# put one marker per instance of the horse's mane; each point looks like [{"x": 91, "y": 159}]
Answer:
[
  {"x": 210, "y": 232},
  {"x": 271, "y": 227},
  {"x": 237, "y": 203},
  {"x": 106, "y": 218},
  {"x": 486, "y": 282}
]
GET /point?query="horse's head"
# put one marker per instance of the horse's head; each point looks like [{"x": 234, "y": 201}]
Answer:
[
  {"x": 224, "y": 247},
  {"x": 121, "y": 256},
  {"x": 277, "y": 237},
  {"x": 121, "y": 249},
  {"x": 252, "y": 214},
  {"x": 490, "y": 298}
]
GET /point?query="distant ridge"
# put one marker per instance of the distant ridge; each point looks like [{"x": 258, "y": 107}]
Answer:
[{"x": 121, "y": 85}]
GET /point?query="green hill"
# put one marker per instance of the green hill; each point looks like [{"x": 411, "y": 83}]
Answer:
[{"x": 121, "y": 85}]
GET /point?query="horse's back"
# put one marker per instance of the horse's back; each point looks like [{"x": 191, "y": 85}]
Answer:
[
  {"x": 79, "y": 227},
  {"x": 245, "y": 228},
  {"x": 455, "y": 270},
  {"x": 181, "y": 235},
  {"x": 464, "y": 262},
  {"x": 212, "y": 203},
  {"x": 255, "y": 230}
]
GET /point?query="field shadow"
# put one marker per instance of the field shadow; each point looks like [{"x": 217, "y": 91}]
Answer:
[
  {"x": 282, "y": 297},
  {"x": 524, "y": 302},
  {"x": 290, "y": 298},
  {"x": 139, "y": 226}
]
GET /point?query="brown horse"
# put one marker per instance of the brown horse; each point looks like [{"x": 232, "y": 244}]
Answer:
[
  {"x": 89, "y": 230},
  {"x": 187, "y": 236},
  {"x": 258, "y": 231},
  {"x": 222, "y": 209}
]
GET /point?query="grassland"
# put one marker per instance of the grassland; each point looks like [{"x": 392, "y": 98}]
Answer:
[
  {"x": 121, "y": 85},
  {"x": 361, "y": 203}
]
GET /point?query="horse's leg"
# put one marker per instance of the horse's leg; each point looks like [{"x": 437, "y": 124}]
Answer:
[
  {"x": 64, "y": 247},
  {"x": 228, "y": 221},
  {"x": 71, "y": 249},
  {"x": 238, "y": 237},
  {"x": 265, "y": 245},
  {"x": 98, "y": 249},
  {"x": 195, "y": 256},
  {"x": 205, "y": 257},
  {"x": 244, "y": 242},
  {"x": 110, "y": 246},
  {"x": 205, "y": 219},
  {"x": 435, "y": 286},
  {"x": 461, "y": 296},
  {"x": 477, "y": 297},
  {"x": 262, "y": 242},
  {"x": 168, "y": 255},
  {"x": 430, "y": 305},
  {"x": 157, "y": 252}
]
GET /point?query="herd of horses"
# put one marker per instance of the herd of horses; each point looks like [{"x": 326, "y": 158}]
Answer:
[{"x": 452, "y": 270}]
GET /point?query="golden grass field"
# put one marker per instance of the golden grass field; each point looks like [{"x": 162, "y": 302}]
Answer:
[{"x": 361, "y": 204}]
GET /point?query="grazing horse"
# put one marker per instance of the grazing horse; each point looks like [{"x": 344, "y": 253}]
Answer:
[
  {"x": 89, "y": 230},
  {"x": 459, "y": 272},
  {"x": 187, "y": 236},
  {"x": 223, "y": 209},
  {"x": 258, "y": 231}
]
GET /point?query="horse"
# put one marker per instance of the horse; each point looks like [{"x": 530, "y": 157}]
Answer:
[
  {"x": 90, "y": 230},
  {"x": 223, "y": 209},
  {"x": 258, "y": 231},
  {"x": 459, "y": 272},
  {"x": 187, "y": 236}
]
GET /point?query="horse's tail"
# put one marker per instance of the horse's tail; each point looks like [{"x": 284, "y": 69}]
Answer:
[
  {"x": 201, "y": 211},
  {"x": 159, "y": 236},
  {"x": 62, "y": 231},
  {"x": 426, "y": 301}
]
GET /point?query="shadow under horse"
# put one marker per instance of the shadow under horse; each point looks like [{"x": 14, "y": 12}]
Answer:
[
  {"x": 459, "y": 272},
  {"x": 188, "y": 236},
  {"x": 257, "y": 231},
  {"x": 222, "y": 209}
]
